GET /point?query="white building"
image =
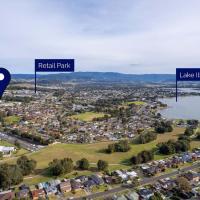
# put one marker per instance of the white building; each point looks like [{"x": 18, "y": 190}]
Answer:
[{"x": 6, "y": 151}]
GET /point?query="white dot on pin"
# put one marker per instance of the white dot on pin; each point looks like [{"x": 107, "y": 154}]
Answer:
[{"x": 1, "y": 77}]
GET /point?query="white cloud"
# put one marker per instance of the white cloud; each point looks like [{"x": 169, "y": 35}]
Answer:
[{"x": 147, "y": 36}]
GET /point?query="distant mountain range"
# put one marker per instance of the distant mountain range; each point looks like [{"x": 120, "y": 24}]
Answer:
[{"x": 99, "y": 77}]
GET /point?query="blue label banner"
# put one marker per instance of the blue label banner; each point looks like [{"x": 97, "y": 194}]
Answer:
[
  {"x": 54, "y": 65},
  {"x": 188, "y": 74},
  {"x": 4, "y": 82}
]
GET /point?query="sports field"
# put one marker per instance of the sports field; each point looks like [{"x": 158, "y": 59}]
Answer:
[
  {"x": 138, "y": 103},
  {"x": 88, "y": 116}
]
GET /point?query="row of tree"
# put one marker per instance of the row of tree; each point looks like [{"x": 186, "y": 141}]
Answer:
[
  {"x": 13, "y": 174},
  {"x": 65, "y": 166},
  {"x": 35, "y": 138},
  {"x": 163, "y": 127},
  {"x": 171, "y": 147}
]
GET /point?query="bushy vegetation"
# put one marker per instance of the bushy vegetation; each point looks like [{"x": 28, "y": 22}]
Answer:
[
  {"x": 163, "y": 127},
  {"x": 198, "y": 135},
  {"x": 26, "y": 165},
  {"x": 83, "y": 164},
  {"x": 121, "y": 146},
  {"x": 156, "y": 196},
  {"x": 171, "y": 147},
  {"x": 183, "y": 184},
  {"x": 142, "y": 157},
  {"x": 189, "y": 131},
  {"x": 58, "y": 167},
  {"x": 194, "y": 123},
  {"x": 10, "y": 175},
  {"x": 146, "y": 137},
  {"x": 35, "y": 138},
  {"x": 102, "y": 165},
  {"x": 18, "y": 99},
  {"x": 13, "y": 174}
]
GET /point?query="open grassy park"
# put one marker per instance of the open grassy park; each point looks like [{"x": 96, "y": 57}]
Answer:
[
  {"x": 94, "y": 152},
  {"x": 11, "y": 120},
  {"x": 137, "y": 103},
  {"x": 88, "y": 116}
]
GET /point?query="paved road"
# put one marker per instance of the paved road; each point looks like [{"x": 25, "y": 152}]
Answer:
[
  {"x": 142, "y": 182},
  {"x": 24, "y": 144}
]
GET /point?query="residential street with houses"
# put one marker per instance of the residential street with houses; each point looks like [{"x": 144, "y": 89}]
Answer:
[{"x": 142, "y": 182}]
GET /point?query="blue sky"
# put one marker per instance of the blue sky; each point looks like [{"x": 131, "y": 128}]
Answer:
[{"x": 130, "y": 36}]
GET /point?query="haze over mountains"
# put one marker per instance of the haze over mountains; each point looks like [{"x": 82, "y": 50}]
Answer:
[{"x": 99, "y": 77}]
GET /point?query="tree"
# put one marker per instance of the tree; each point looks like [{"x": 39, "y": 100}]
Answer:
[
  {"x": 121, "y": 146},
  {"x": 135, "y": 182},
  {"x": 147, "y": 137},
  {"x": 171, "y": 147},
  {"x": 15, "y": 174},
  {"x": 111, "y": 148},
  {"x": 167, "y": 148},
  {"x": 198, "y": 135},
  {"x": 163, "y": 126},
  {"x": 83, "y": 164},
  {"x": 5, "y": 181},
  {"x": 67, "y": 164},
  {"x": 156, "y": 196},
  {"x": 55, "y": 167},
  {"x": 17, "y": 144},
  {"x": 26, "y": 165},
  {"x": 142, "y": 157},
  {"x": 194, "y": 123},
  {"x": 10, "y": 175},
  {"x": 1, "y": 155},
  {"x": 189, "y": 131},
  {"x": 58, "y": 167},
  {"x": 102, "y": 165},
  {"x": 184, "y": 184}
]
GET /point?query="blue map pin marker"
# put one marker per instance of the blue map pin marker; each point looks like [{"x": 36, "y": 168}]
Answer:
[{"x": 5, "y": 78}]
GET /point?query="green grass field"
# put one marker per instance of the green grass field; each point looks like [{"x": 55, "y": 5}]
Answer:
[
  {"x": 11, "y": 120},
  {"x": 5, "y": 143},
  {"x": 87, "y": 116},
  {"x": 94, "y": 152},
  {"x": 138, "y": 103}
]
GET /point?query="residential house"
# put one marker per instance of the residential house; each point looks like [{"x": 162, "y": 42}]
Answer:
[
  {"x": 145, "y": 194},
  {"x": 89, "y": 184},
  {"x": 167, "y": 183},
  {"x": 192, "y": 177},
  {"x": 65, "y": 186},
  {"x": 76, "y": 186},
  {"x": 97, "y": 179},
  {"x": 6, "y": 151},
  {"x": 37, "y": 194},
  {"x": 7, "y": 195},
  {"x": 132, "y": 196},
  {"x": 23, "y": 194}
]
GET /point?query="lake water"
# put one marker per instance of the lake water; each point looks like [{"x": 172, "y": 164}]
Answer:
[{"x": 186, "y": 108}]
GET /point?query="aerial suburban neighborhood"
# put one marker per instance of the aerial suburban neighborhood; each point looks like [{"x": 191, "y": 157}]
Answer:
[
  {"x": 99, "y": 100},
  {"x": 100, "y": 142}
]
